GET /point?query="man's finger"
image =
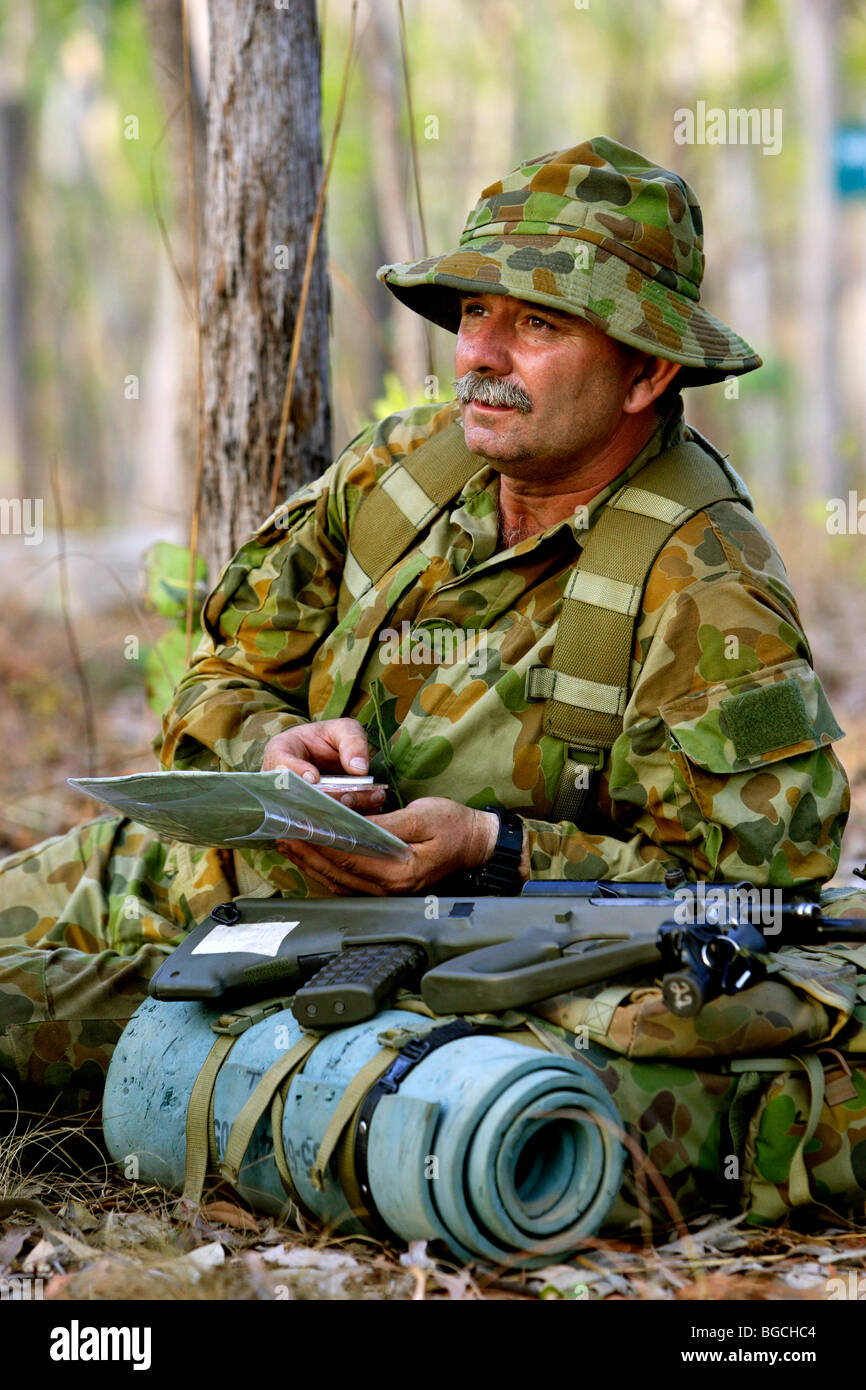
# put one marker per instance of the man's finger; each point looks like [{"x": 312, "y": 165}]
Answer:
[
  {"x": 329, "y": 867},
  {"x": 352, "y": 746},
  {"x": 274, "y": 762},
  {"x": 405, "y": 824},
  {"x": 362, "y": 799},
  {"x": 327, "y": 883}
]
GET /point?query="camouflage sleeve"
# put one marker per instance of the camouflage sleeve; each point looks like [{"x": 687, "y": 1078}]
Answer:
[
  {"x": 725, "y": 766},
  {"x": 271, "y": 607}
]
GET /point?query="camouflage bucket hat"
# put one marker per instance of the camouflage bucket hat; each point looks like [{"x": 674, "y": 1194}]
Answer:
[{"x": 600, "y": 232}]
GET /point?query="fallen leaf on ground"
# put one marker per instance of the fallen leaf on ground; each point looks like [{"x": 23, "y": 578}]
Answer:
[
  {"x": 300, "y": 1257},
  {"x": 455, "y": 1285},
  {"x": 78, "y": 1215},
  {"x": 204, "y": 1258},
  {"x": 41, "y": 1258},
  {"x": 227, "y": 1214},
  {"x": 10, "y": 1245},
  {"x": 416, "y": 1256}
]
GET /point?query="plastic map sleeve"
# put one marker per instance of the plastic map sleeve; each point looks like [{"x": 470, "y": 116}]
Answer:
[{"x": 238, "y": 808}]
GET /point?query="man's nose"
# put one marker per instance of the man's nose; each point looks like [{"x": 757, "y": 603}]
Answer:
[{"x": 486, "y": 348}]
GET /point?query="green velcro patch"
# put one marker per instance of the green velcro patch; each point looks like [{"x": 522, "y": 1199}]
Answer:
[{"x": 773, "y": 717}]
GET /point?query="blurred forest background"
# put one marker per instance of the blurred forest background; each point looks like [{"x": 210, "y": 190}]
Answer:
[{"x": 97, "y": 346}]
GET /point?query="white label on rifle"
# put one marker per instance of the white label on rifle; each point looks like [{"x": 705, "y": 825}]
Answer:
[{"x": 260, "y": 939}]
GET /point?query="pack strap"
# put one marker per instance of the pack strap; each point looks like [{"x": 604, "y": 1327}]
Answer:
[
  {"x": 351, "y": 1100},
  {"x": 201, "y": 1156},
  {"x": 257, "y": 1103},
  {"x": 798, "y": 1178},
  {"x": 201, "y": 1151},
  {"x": 404, "y": 501},
  {"x": 586, "y": 687}
]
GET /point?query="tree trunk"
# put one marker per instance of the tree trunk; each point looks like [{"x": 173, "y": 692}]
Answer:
[{"x": 264, "y": 167}]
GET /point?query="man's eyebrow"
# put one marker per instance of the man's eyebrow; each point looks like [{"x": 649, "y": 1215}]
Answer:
[
  {"x": 534, "y": 308},
  {"x": 546, "y": 309}
]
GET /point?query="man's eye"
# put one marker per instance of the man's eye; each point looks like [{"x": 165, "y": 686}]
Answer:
[{"x": 537, "y": 322}]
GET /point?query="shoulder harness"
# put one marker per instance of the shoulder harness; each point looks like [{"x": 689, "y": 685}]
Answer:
[{"x": 586, "y": 686}]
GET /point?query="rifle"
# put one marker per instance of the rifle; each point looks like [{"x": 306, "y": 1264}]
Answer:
[{"x": 341, "y": 958}]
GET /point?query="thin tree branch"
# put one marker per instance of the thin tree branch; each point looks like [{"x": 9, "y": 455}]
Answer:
[
  {"x": 308, "y": 267},
  {"x": 157, "y": 209},
  {"x": 416, "y": 169},
  {"x": 199, "y": 384},
  {"x": 63, "y": 573},
  {"x": 413, "y": 139}
]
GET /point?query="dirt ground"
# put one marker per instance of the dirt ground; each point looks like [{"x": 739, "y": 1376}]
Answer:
[{"x": 70, "y": 1223}]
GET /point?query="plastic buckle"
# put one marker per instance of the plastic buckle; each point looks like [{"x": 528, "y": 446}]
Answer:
[
  {"x": 239, "y": 1020},
  {"x": 416, "y": 1048},
  {"x": 587, "y": 757},
  {"x": 409, "y": 1056}
]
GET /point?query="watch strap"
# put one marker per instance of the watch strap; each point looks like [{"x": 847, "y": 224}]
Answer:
[{"x": 500, "y": 875}]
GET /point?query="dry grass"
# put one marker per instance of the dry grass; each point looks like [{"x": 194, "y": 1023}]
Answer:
[{"x": 70, "y": 1221}]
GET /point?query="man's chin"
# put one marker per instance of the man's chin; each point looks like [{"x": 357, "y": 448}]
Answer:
[{"x": 490, "y": 433}]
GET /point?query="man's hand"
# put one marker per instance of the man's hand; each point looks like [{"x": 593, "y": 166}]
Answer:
[
  {"x": 333, "y": 746},
  {"x": 443, "y": 837}
]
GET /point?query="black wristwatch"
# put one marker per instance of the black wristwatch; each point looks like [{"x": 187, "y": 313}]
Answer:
[{"x": 501, "y": 874}]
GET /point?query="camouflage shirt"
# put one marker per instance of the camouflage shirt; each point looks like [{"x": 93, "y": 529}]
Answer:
[{"x": 718, "y": 617}]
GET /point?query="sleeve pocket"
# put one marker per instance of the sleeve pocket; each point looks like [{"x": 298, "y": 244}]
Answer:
[{"x": 757, "y": 718}]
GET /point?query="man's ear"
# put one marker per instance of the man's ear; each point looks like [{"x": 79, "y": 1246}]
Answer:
[{"x": 652, "y": 378}]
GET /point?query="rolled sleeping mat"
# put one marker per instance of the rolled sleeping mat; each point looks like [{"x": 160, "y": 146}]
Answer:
[{"x": 506, "y": 1153}]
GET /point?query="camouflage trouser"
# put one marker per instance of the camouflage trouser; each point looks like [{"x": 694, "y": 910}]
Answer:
[{"x": 85, "y": 920}]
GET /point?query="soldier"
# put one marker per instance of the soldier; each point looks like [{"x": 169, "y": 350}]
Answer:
[{"x": 635, "y": 691}]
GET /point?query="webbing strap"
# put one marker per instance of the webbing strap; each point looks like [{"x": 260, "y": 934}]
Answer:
[
  {"x": 549, "y": 1041},
  {"x": 200, "y": 1142},
  {"x": 587, "y": 685},
  {"x": 543, "y": 683},
  {"x": 278, "y": 1106},
  {"x": 596, "y": 641},
  {"x": 257, "y": 1103},
  {"x": 591, "y": 662},
  {"x": 575, "y": 782},
  {"x": 741, "y": 1108},
  {"x": 643, "y": 503},
  {"x": 351, "y": 1099},
  {"x": 798, "y": 1178},
  {"x": 349, "y": 1178},
  {"x": 405, "y": 500}
]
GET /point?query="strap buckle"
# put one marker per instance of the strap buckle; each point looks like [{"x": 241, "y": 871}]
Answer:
[
  {"x": 538, "y": 682},
  {"x": 415, "y": 1050},
  {"x": 239, "y": 1020},
  {"x": 587, "y": 757}
]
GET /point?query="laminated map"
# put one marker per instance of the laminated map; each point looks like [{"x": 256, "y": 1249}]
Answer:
[{"x": 240, "y": 808}]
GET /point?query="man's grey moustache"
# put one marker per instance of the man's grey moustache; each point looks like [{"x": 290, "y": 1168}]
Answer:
[{"x": 492, "y": 390}]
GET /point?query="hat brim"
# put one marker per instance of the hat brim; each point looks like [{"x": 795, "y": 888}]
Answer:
[{"x": 576, "y": 277}]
